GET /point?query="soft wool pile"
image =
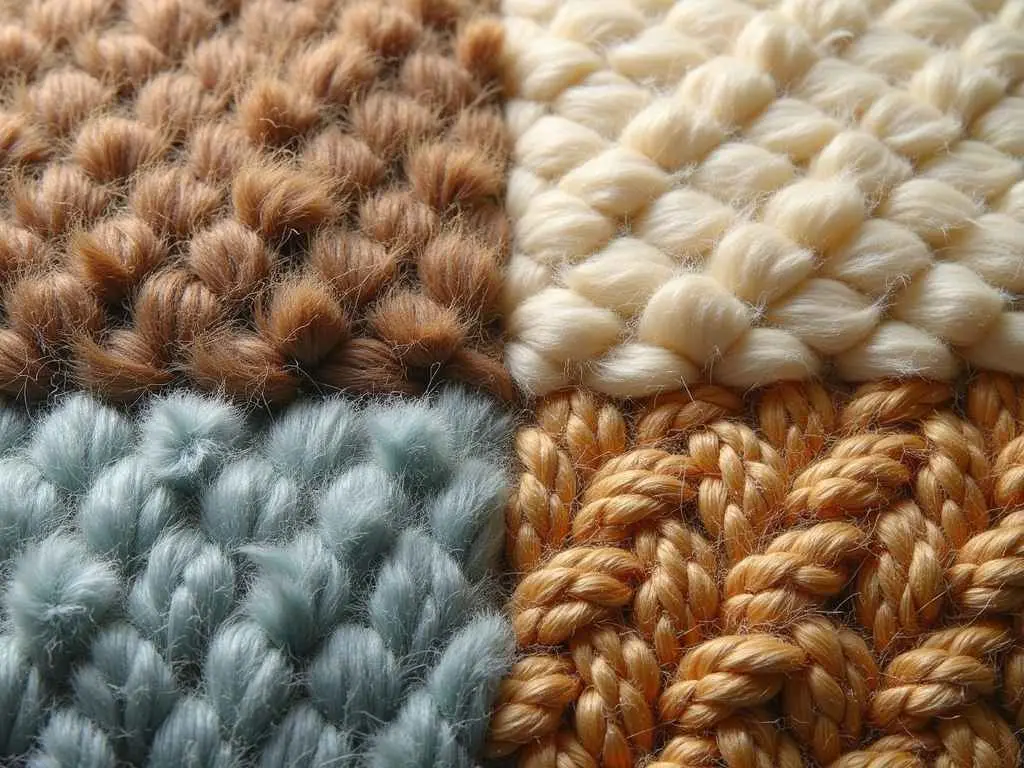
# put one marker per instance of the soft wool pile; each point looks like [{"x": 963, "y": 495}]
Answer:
[
  {"x": 262, "y": 197},
  {"x": 268, "y": 201},
  {"x": 193, "y": 589},
  {"x": 748, "y": 191}
]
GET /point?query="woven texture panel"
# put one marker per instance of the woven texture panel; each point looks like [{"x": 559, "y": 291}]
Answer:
[
  {"x": 194, "y": 588},
  {"x": 256, "y": 196},
  {"x": 825, "y": 581},
  {"x": 760, "y": 191}
]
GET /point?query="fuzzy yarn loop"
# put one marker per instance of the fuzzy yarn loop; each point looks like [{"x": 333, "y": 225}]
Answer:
[
  {"x": 748, "y": 192},
  {"x": 254, "y": 198},
  {"x": 202, "y": 587}
]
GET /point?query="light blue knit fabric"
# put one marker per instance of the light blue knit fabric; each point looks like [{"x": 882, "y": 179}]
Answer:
[{"x": 193, "y": 587}]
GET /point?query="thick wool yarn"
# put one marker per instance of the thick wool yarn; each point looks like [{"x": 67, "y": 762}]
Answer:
[
  {"x": 258, "y": 196},
  {"x": 197, "y": 589},
  {"x": 753, "y": 191},
  {"x": 827, "y": 583}
]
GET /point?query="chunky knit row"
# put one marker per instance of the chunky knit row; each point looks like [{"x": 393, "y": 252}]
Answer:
[
  {"x": 825, "y": 583},
  {"x": 198, "y": 589},
  {"x": 756, "y": 191},
  {"x": 261, "y": 197}
]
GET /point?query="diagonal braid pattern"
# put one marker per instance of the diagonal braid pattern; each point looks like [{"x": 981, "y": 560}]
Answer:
[
  {"x": 751, "y": 191},
  {"x": 203, "y": 588},
  {"x": 254, "y": 197},
  {"x": 861, "y": 610}
]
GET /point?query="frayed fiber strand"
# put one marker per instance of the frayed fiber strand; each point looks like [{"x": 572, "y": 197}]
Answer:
[
  {"x": 259, "y": 197},
  {"x": 196, "y": 588},
  {"x": 751, "y": 192},
  {"x": 827, "y": 581}
]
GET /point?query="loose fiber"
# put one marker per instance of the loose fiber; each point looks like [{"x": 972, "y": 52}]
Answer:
[
  {"x": 198, "y": 588},
  {"x": 260, "y": 198},
  {"x": 750, "y": 192},
  {"x": 825, "y": 581}
]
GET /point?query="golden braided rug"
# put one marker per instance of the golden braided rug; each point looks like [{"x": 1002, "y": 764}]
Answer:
[{"x": 824, "y": 581}]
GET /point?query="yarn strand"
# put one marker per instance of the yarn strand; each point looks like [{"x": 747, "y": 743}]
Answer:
[{"x": 862, "y": 610}]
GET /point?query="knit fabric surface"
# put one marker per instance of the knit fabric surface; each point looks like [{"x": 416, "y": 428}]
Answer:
[
  {"x": 198, "y": 588},
  {"x": 750, "y": 192},
  {"x": 257, "y": 196},
  {"x": 820, "y": 581},
  {"x": 756, "y": 265}
]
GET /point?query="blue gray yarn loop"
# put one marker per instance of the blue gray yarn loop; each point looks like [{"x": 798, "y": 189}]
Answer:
[{"x": 197, "y": 588}]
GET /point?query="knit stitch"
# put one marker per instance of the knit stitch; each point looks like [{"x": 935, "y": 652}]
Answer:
[
  {"x": 197, "y": 588},
  {"x": 748, "y": 192},
  {"x": 835, "y": 582},
  {"x": 258, "y": 197}
]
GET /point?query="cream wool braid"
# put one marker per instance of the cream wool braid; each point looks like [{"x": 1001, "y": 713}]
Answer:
[{"x": 749, "y": 192}]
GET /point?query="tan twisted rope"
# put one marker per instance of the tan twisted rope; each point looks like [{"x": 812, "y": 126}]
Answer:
[{"x": 826, "y": 580}]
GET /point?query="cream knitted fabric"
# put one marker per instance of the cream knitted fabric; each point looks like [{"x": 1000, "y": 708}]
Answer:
[{"x": 749, "y": 191}]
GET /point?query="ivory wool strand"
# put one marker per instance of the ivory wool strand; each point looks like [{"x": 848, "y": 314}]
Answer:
[
  {"x": 261, "y": 198},
  {"x": 200, "y": 588},
  {"x": 825, "y": 581},
  {"x": 750, "y": 192}
]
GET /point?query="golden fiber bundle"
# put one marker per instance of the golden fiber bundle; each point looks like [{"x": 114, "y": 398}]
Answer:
[{"x": 821, "y": 581}]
